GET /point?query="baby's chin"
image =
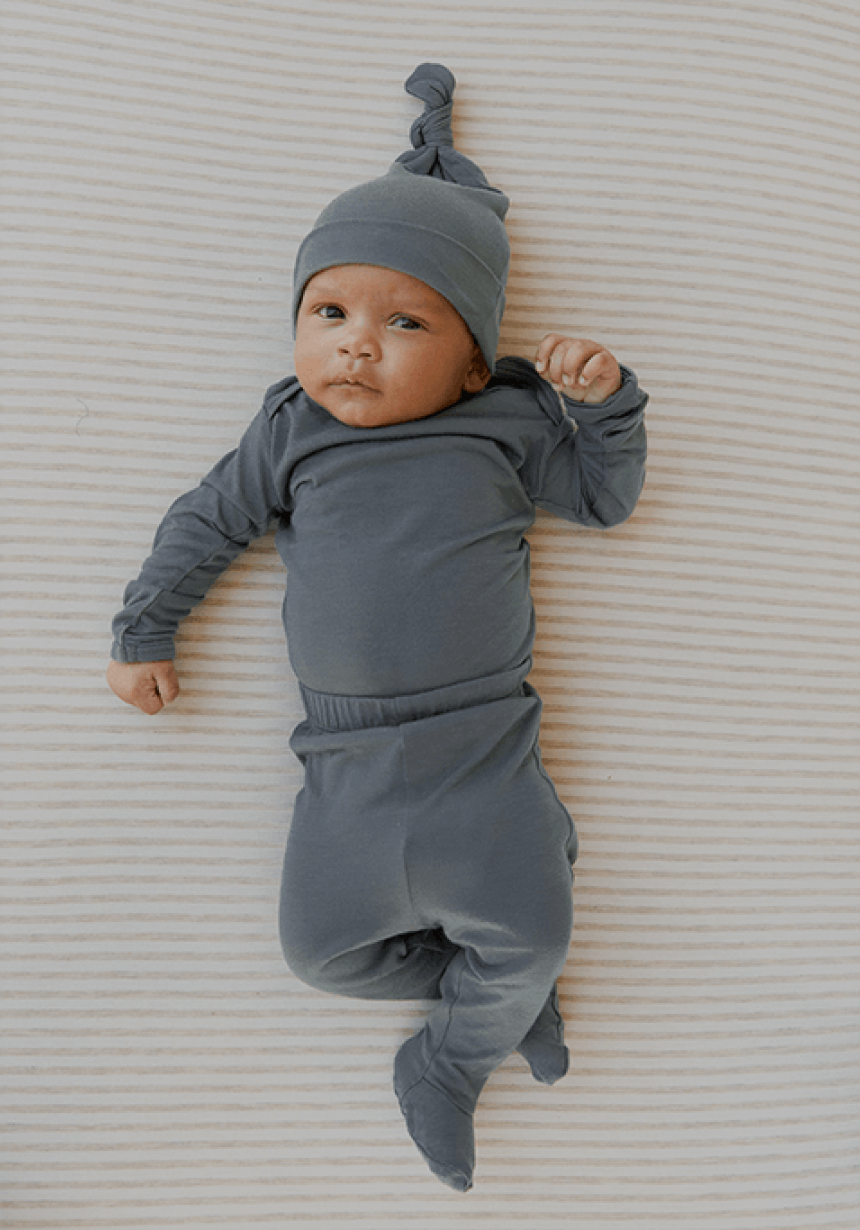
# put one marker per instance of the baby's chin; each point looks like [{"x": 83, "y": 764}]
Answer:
[{"x": 357, "y": 406}]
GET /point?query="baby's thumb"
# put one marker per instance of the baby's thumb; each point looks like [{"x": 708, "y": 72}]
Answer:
[{"x": 167, "y": 682}]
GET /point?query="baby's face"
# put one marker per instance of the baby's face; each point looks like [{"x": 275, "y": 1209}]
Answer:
[{"x": 376, "y": 347}]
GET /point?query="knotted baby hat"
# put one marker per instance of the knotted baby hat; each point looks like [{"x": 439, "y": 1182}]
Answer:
[{"x": 433, "y": 215}]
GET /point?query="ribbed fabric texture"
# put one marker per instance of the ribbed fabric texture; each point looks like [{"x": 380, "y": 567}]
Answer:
[{"x": 683, "y": 179}]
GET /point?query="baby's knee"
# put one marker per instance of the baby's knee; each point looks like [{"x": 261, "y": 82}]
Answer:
[
  {"x": 309, "y": 967},
  {"x": 532, "y": 941},
  {"x": 299, "y": 949},
  {"x": 548, "y": 929},
  {"x": 314, "y": 960}
]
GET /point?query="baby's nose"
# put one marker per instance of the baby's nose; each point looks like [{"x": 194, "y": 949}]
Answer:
[{"x": 359, "y": 343}]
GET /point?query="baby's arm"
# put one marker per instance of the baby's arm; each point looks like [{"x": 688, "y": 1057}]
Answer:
[
  {"x": 203, "y": 532},
  {"x": 585, "y": 371},
  {"x": 149, "y": 686},
  {"x": 590, "y": 467}
]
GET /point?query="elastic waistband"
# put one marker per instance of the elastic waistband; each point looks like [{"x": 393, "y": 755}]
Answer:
[{"x": 358, "y": 712}]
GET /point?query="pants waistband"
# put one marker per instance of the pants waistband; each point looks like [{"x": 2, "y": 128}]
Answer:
[{"x": 332, "y": 712}]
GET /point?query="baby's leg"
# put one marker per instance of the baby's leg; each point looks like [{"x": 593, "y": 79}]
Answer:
[
  {"x": 488, "y": 998},
  {"x": 348, "y": 923},
  {"x": 495, "y": 864}
]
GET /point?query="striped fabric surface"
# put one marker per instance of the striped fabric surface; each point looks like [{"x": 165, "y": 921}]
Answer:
[{"x": 684, "y": 177}]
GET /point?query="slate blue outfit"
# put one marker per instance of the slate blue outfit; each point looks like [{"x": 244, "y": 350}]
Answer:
[{"x": 429, "y": 855}]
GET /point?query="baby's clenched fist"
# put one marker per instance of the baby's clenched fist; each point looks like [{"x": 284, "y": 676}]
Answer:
[
  {"x": 583, "y": 370},
  {"x": 149, "y": 686}
]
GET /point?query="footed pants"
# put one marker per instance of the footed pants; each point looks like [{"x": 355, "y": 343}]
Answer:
[{"x": 430, "y": 857}]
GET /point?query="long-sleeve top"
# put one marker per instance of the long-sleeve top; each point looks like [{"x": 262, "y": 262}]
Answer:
[{"x": 407, "y": 565}]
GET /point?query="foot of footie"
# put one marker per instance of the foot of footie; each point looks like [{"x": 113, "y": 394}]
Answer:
[
  {"x": 443, "y": 1133},
  {"x": 548, "y": 1060},
  {"x": 543, "y": 1046}
]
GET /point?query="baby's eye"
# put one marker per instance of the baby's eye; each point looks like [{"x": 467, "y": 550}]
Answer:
[
  {"x": 329, "y": 311},
  {"x": 406, "y": 322}
]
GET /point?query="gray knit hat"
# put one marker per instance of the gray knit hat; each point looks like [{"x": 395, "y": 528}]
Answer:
[{"x": 433, "y": 216}]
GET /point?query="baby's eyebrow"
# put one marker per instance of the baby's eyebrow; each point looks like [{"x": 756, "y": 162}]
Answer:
[{"x": 417, "y": 307}]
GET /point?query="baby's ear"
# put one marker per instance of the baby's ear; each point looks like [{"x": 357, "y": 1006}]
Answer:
[{"x": 478, "y": 374}]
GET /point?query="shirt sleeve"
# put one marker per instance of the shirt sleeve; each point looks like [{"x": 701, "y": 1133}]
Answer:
[
  {"x": 200, "y": 536},
  {"x": 590, "y": 467}
]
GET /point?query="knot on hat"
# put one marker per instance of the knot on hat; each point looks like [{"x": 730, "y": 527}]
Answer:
[
  {"x": 433, "y": 141},
  {"x": 434, "y": 85}
]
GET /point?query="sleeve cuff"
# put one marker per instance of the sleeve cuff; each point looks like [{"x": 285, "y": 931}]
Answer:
[{"x": 151, "y": 650}]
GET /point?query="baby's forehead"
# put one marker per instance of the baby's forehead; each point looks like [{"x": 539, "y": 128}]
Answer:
[{"x": 381, "y": 285}]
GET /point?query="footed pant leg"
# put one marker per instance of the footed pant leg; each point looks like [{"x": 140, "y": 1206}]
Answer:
[
  {"x": 348, "y": 923},
  {"x": 489, "y": 993},
  {"x": 498, "y": 873}
]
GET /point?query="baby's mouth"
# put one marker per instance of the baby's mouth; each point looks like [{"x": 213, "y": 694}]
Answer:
[{"x": 350, "y": 382}]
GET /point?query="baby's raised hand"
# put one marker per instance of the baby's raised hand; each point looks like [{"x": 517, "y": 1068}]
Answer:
[
  {"x": 149, "y": 686},
  {"x": 583, "y": 370}
]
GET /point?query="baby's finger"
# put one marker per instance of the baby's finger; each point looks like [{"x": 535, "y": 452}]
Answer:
[
  {"x": 166, "y": 682},
  {"x": 596, "y": 367},
  {"x": 566, "y": 362},
  {"x": 600, "y": 378},
  {"x": 146, "y": 697},
  {"x": 545, "y": 351}
]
